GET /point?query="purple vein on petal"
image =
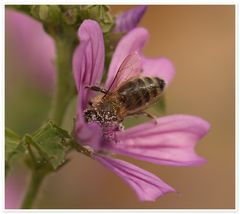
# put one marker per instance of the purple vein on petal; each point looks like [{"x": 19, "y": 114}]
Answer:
[
  {"x": 171, "y": 142},
  {"x": 88, "y": 58},
  {"x": 146, "y": 185}
]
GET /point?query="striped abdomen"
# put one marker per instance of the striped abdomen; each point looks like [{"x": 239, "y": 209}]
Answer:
[{"x": 140, "y": 92}]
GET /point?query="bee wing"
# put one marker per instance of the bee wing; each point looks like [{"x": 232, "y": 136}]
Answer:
[{"x": 130, "y": 67}]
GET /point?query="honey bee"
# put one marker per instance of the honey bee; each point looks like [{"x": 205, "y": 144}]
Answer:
[{"x": 129, "y": 94}]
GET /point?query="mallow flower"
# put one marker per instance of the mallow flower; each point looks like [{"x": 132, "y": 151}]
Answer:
[{"x": 170, "y": 141}]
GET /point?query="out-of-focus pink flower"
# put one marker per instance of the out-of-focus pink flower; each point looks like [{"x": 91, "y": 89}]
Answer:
[
  {"x": 169, "y": 142},
  {"x": 128, "y": 20},
  {"x": 14, "y": 190},
  {"x": 33, "y": 47}
]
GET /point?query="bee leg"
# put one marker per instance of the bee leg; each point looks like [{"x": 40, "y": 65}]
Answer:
[
  {"x": 147, "y": 115},
  {"x": 96, "y": 88},
  {"x": 150, "y": 116}
]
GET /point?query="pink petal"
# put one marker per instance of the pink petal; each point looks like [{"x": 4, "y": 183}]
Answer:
[
  {"x": 159, "y": 67},
  {"x": 147, "y": 186},
  {"x": 133, "y": 41},
  {"x": 129, "y": 19},
  {"x": 88, "y": 58},
  {"x": 33, "y": 47},
  {"x": 169, "y": 142}
]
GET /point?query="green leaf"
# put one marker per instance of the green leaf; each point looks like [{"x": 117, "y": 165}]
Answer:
[
  {"x": 50, "y": 143},
  {"x": 11, "y": 141},
  {"x": 13, "y": 147}
]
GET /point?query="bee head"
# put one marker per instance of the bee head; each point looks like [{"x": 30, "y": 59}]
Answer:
[{"x": 91, "y": 115}]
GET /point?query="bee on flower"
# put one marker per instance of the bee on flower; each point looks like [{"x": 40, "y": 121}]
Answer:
[{"x": 169, "y": 141}]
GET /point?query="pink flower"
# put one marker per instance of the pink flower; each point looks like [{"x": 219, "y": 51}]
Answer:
[
  {"x": 33, "y": 47},
  {"x": 169, "y": 142},
  {"x": 128, "y": 20},
  {"x": 14, "y": 189}
]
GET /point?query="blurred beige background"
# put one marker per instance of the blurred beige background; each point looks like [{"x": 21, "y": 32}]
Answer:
[{"x": 200, "y": 42}]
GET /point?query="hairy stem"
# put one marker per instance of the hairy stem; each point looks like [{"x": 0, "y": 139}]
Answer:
[
  {"x": 37, "y": 177},
  {"x": 64, "y": 92},
  {"x": 65, "y": 87}
]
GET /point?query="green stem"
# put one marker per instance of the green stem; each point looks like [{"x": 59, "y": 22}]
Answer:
[
  {"x": 65, "y": 87},
  {"x": 64, "y": 92},
  {"x": 33, "y": 188}
]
